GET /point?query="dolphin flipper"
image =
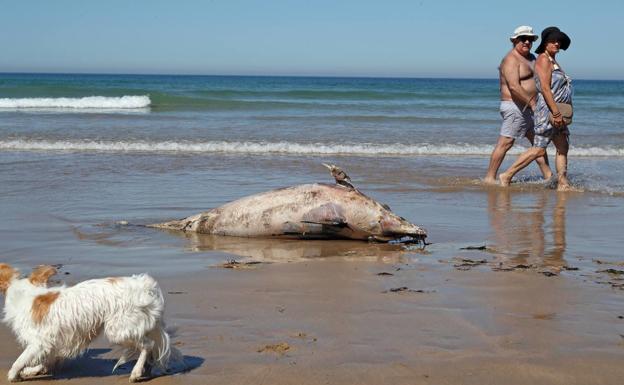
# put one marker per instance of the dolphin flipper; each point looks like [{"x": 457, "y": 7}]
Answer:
[{"x": 315, "y": 230}]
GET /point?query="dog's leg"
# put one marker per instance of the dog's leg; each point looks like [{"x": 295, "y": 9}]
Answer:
[
  {"x": 147, "y": 371},
  {"x": 138, "y": 370},
  {"x": 28, "y": 357}
]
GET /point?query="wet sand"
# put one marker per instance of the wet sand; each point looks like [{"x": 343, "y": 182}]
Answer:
[
  {"x": 537, "y": 299},
  {"x": 339, "y": 322}
]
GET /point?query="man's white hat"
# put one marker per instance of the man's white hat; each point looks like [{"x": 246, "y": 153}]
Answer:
[{"x": 523, "y": 30}]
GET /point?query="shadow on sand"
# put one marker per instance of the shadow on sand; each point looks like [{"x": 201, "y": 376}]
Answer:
[{"x": 92, "y": 364}]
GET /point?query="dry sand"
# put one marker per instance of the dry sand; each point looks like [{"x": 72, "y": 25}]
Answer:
[{"x": 337, "y": 321}]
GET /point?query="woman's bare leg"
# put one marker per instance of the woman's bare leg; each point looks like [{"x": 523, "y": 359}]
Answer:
[
  {"x": 542, "y": 161},
  {"x": 561, "y": 161}
]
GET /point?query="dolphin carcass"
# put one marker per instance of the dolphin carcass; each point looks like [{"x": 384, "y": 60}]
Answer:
[{"x": 309, "y": 211}]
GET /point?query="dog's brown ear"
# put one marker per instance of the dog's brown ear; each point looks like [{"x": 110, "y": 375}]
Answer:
[
  {"x": 7, "y": 273},
  {"x": 41, "y": 274}
]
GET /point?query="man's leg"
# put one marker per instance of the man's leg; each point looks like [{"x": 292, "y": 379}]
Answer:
[
  {"x": 542, "y": 161},
  {"x": 496, "y": 159},
  {"x": 523, "y": 160}
]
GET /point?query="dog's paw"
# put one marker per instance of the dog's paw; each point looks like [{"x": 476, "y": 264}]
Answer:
[
  {"x": 33, "y": 371},
  {"x": 13, "y": 376},
  {"x": 139, "y": 377},
  {"x": 136, "y": 376}
]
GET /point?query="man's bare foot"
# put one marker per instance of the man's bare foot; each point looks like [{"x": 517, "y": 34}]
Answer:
[
  {"x": 505, "y": 179},
  {"x": 489, "y": 180}
]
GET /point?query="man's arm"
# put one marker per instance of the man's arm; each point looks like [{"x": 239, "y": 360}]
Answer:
[{"x": 510, "y": 69}]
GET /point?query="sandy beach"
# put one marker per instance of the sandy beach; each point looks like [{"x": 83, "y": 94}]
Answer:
[
  {"x": 518, "y": 285},
  {"x": 339, "y": 322}
]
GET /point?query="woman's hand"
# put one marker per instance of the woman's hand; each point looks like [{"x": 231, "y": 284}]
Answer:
[{"x": 557, "y": 120}]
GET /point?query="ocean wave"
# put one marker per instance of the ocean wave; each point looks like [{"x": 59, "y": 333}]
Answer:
[
  {"x": 333, "y": 94},
  {"x": 89, "y": 102},
  {"x": 286, "y": 148}
]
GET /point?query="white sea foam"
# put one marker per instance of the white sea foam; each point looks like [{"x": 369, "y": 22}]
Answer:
[
  {"x": 89, "y": 102},
  {"x": 376, "y": 149}
]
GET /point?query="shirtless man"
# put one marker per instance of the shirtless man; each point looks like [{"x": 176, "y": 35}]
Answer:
[{"x": 518, "y": 94}]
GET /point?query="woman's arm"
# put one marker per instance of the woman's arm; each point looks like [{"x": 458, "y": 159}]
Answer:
[{"x": 543, "y": 68}]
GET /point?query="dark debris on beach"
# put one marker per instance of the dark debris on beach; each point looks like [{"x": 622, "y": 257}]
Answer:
[
  {"x": 612, "y": 271},
  {"x": 234, "y": 264},
  {"x": 610, "y": 276},
  {"x": 405, "y": 289},
  {"x": 467, "y": 263},
  {"x": 484, "y": 247},
  {"x": 279, "y": 348},
  {"x": 601, "y": 262}
]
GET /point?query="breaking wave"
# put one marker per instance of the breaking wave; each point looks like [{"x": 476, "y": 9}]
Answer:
[
  {"x": 89, "y": 102},
  {"x": 376, "y": 149}
]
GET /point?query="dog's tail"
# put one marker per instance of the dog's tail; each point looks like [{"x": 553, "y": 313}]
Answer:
[{"x": 165, "y": 357}]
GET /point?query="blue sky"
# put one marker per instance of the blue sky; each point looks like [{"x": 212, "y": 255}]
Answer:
[{"x": 399, "y": 38}]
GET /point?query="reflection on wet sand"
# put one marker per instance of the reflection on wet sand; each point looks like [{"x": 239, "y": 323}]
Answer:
[
  {"x": 288, "y": 250},
  {"x": 529, "y": 229}
]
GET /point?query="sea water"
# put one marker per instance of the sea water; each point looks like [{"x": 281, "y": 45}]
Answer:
[{"x": 79, "y": 153}]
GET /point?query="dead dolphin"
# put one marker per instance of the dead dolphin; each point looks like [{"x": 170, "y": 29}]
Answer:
[{"x": 309, "y": 211}]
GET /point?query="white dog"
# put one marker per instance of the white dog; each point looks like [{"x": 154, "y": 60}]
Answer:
[{"x": 56, "y": 323}]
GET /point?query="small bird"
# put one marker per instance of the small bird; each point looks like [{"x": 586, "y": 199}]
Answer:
[{"x": 339, "y": 175}]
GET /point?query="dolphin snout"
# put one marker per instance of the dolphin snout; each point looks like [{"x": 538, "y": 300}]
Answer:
[{"x": 396, "y": 228}]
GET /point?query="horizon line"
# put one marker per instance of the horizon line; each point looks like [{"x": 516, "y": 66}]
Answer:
[{"x": 268, "y": 76}]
